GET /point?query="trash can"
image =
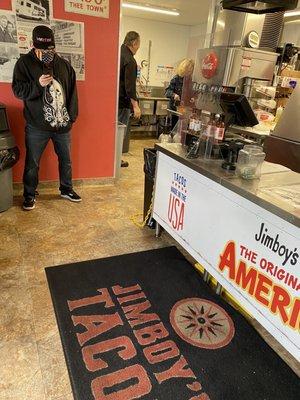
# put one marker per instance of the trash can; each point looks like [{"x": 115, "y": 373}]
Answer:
[
  {"x": 119, "y": 139},
  {"x": 127, "y": 135},
  {"x": 9, "y": 155},
  {"x": 149, "y": 170}
]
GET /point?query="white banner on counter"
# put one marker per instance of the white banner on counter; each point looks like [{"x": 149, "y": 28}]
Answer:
[
  {"x": 95, "y": 8},
  {"x": 252, "y": 253}
]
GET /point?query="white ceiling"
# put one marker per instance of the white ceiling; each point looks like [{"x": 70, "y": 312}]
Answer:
[{"x": 192, "y": 12}]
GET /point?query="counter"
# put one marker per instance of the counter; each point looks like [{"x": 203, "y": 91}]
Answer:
[
  {"x": 260, "y": 192},
  {"x": 153, "y": 98},
  {"x": 251, "y": 133},
  {"x": 246, "y": 234}
]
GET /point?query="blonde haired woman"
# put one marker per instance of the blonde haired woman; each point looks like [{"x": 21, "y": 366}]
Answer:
[{"x": 184, "y": 72}]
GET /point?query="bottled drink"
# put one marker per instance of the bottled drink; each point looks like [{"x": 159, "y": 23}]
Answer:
[
  {"x": 210, "y": 130},
  {"x": 192, "y": 122},
  {"x": 220, "y": 128},
  {"x": 198, "y": 124}
]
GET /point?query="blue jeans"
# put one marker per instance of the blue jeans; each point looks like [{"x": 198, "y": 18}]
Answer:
[
  {"x": 124, "y": 115},
  {"x": 36, "y": 142}
]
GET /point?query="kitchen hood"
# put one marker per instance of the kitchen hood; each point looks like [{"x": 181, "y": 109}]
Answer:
[{"x": 259, "y": 7}]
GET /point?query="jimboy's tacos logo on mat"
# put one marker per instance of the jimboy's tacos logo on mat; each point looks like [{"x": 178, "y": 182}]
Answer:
[
  {"x": 112, "y": 358},
  {"x": 177, "y": 201},
  {"x": 202, "y": 323},
  {"x": 271, "y": 285}
]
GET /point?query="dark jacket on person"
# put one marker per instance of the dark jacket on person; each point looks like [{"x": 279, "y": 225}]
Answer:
[
  {"x": 128, "y": 75},
  {"x": 42, "y": 110},
  {"x": 175, "y": 87}
]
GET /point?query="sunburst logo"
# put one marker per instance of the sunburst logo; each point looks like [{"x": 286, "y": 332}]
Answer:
[{"x": 202, "y": 323}]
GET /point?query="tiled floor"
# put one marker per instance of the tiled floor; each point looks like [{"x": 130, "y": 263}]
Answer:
[{"x": 32, "y": 363}]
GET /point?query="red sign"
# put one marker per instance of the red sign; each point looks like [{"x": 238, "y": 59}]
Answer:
[{"x": 210, "y": 65}]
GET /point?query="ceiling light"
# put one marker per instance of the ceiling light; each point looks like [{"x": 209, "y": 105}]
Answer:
[
  {"x": 292, "y": 13},
  {"x": 150, "y": 9}
]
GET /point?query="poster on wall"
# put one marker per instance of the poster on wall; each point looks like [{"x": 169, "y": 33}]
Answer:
[
  {"x": 9, "y": 52},
  {"x": 35, "y": 11},
  {"x": 69, "y": 42},
  {"x": 69, "y": 36},
  {"x": 95, "y": 8},
  {"x": 78, "y": 63},
  {"x": 29, "y": 14},
  {"x": 24, "y": 34}
]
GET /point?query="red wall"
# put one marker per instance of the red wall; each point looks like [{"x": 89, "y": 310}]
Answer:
[{"x": 93, "y": 134}]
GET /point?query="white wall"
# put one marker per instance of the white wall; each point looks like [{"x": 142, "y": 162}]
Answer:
[
  {"x": 291, "y": 32},
  {"x": 198, "y": 35},
  {"x": 169, "y": 42}
]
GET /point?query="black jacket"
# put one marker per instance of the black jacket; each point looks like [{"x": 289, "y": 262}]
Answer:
[
  {"x": 52, "y": 108},
  {"x": 128, "y": 75},
  {"x": 175, "y": 87}
]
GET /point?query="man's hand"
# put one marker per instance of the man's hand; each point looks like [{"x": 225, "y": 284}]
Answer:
[
  {"x": 45, "y": 80},
  {"x": 176, "y": 97},
  {"x": 137, "y": 112}
]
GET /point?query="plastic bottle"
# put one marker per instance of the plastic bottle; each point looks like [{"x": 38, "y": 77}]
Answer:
[
  {"x": 279, "y": 112},
  {"x": 220, "y": 129},
  {"x": 210, "y": 137},
  {"x": 165, "y": 136},
  {"x": 197, "y": 126},
  {"x": 210, "y": 130},
  {"x": 192, "y": 123}
]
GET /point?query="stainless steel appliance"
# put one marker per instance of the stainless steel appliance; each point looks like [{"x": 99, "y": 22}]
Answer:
[
  {"x": 237, "y": 67},
  {"x": 283, "y": 145},
  {"x": 259, "y": 7},
  {"x": 241, "y": 61}
]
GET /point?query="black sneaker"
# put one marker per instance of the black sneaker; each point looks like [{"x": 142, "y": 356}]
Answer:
[
  {"x": 71, "y": 195},
  {"x": 29, "y": 203},
  {"x": 124, "y": 164}
]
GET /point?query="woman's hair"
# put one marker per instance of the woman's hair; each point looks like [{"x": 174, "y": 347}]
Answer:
[
  {"x": 186, "y": 64},
  {"x": 130, "y": 38}
]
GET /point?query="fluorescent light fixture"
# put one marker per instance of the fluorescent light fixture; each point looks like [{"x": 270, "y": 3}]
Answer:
[
  {"x": 135, "y": 6},
  {"x": 295, "y": 13}
]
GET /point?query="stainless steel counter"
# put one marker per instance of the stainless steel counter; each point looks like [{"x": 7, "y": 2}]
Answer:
[
  {"x": 278, "y": 190},
  {"x": 153, "y": 98}
]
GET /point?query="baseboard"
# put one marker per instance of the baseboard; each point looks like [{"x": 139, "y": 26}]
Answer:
[{"x": 18, "y": 186}]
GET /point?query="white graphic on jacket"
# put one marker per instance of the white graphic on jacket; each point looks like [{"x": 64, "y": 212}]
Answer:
[{"x": 55, "y": 111}]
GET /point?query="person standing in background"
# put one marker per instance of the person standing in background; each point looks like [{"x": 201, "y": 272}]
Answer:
[
  {"x": 174, "y": 90},
  {"x": 9, "y": 34},
  {"x": 47, "y": 85},
  {"x": 3, "y": 27},
  {"x": 128, "y": 75}
]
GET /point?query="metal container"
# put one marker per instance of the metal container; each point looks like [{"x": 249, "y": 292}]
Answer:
[
  {"x": 162, "y": 107},
  {"x": 260, "y": 7},
  {"x": 235, "y": 64},
  {"x": 119, "y": 146},
  {"x": 7, "y": 141},
  {"x": 147, "y": 107}
]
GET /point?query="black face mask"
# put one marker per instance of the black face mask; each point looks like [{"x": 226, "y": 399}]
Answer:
[{"x": 48, "y": 56}]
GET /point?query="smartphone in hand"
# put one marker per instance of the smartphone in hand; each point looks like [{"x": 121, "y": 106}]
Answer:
[{"x": 47, "y": 70}]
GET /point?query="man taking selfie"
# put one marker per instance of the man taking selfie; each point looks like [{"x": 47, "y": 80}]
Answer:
[{"x": 47, "y": 85}]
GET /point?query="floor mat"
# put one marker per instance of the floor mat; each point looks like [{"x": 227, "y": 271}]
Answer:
[{"x": 145, "y": 326}]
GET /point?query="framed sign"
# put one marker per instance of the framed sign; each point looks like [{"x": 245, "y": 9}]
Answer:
[{"x": 95, "y": 8}]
